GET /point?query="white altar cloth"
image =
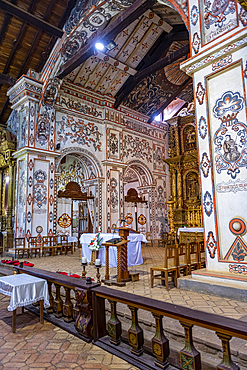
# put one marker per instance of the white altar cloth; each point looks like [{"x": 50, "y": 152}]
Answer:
[
  {"x": 24, "y": 290},
  {"x": 190, "y": 230},
  {"x": 134, "y": 249}
]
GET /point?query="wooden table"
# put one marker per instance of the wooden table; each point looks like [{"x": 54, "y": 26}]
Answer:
[{"x": 24, "y": 290}]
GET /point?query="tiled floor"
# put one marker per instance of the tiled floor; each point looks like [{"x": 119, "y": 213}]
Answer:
[
  {"x": 152, "y": 257},
  {"x": 47, "y": 347},
  {"x": 37, "y": 346}
]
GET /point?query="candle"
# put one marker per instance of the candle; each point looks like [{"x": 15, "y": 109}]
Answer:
[
  {"x": 84, "y": 260},
  {"x": 97, "y": 262}
]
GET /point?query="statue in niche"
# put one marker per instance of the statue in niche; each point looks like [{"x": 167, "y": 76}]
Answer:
[
  {"x": 189, "y": 138},
  {"x": 192, "y": 187}
]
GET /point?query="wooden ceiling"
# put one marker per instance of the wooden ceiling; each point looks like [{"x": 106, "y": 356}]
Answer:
[
  {"x": 142, "y": 71},
  {"x": 28, "y": 31}
]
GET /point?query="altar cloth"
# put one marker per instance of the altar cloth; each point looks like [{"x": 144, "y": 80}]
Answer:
[
  {"x": 24, "y": 290},
  {"x": 190, "y": 230},
  {"x": 134, "y": 248}
]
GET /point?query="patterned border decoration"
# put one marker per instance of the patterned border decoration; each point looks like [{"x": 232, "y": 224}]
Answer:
[
  {"x": 208, "y": 204},
  {"x": 211, "y": 244},
  {"x": 194, "y": 14},
  {"x": 205, "y": 164},
  {"x": 238, "y": 269},
  {"x": 202, "y": 127},
  {"x": 200, "y": 93},
  {"x": 196, "y": 43}
]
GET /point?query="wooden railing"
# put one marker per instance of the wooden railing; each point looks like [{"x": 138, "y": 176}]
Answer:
[{"x": 90, "y": 320}]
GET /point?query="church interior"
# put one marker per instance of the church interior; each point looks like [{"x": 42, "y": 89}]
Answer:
[{"x": 123, "y": 172}]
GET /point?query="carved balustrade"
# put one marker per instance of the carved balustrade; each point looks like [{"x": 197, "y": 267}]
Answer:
[{"x": 86, "y": 315}]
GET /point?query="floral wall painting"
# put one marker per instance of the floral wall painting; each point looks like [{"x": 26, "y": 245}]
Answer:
[
  {"x": 40, "y": 189},
  {"x": 230, "y": 139}
]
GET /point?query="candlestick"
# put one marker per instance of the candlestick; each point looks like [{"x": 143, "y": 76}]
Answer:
[
  {"x": 98, "y": 273},
  {"x": 84, "y": 260},
  {"x": 97, "y": 262},
  {"x": 84, "y": 272}
]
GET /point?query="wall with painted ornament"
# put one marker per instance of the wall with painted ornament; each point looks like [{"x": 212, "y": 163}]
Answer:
[{"x": 220, "y": 82}]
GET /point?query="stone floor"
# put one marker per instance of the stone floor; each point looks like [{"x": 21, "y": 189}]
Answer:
[
  {"x": 47, "y": 347},
  {"x": 152, "y": 256}
]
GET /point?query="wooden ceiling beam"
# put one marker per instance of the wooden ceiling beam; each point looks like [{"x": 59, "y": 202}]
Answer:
[
  {"x": 7, "y": 80},
  {"x": 134, "y": 80},
  {"x": 70, "y": 5},
  {"x": 123, "y": 20},
  {"x": 168, "y": 101},
  {"x": 30, "y": 18},
  {"x": 5, "y": 24}
]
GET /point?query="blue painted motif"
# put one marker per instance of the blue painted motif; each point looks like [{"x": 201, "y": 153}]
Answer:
[
  {"x": 215, "y": 12},
  {"x": 230, "y": 139},
  {"x": 29, "y": 216},
  {"x": 202, "y": 127},
  {"x": 208, "y": 204},
  {"x": 40, "y": 189},
  {"x": 194, "y": 15},
  {"x": 30, "y": 181},
  {"x": 50, "y": 216}
]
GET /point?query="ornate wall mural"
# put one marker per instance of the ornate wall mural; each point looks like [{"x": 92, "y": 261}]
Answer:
[
  {"x": 219, "y": 17},
  {"x": 71, "y": 130},
  {"x": 135, "y": 147},
  {"x": 114, "y": 195},
  {"x": 72, "y": 170},
  {"x": 40, "y": 189},
  {"x": 230, "y": 139}
]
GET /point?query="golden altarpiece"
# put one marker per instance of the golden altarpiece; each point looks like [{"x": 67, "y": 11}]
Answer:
[
  {"x": 7, "y": 187},
  {"x": 184, "y": 172}
]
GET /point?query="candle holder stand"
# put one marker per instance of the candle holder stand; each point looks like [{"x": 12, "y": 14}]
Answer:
[
  {"x": 84, "y": 272},
  {"x": 98, "y": 274}
]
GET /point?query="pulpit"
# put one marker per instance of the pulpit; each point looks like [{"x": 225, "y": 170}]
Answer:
[{"x": 122, "y": 257}]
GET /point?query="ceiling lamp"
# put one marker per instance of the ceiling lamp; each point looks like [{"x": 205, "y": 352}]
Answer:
[
  {"x": 99, "y": 46},
  {"x": 109, "y": 45}
]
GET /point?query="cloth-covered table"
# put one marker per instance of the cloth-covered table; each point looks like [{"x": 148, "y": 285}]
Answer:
[
  {"x": 24, "y": 290},
  {"x": 134, "y": 249}
]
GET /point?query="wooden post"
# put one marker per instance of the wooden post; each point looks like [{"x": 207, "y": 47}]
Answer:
[
  {"x": 41, "y": 311},
  {"x": 14, "y": 321},
  {"x": 114, "y": 325},
  {"x": 226, "y": 363},
  {"x": 51, "y": 299},
  {"x": 58, "y": 303},
  {"x": 135, "y": 333},
  {"x": 189, "y": 356},
  {"x": 68, "y": 306},
  {"x": 160, "y": 344}
]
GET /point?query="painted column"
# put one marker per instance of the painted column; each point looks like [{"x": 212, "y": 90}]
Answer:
[{"x": 219, "y": 69}]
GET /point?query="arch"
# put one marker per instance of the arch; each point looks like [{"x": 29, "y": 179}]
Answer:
[
  {"x": 89, "y": 161},
  {"x": 143, "y": 172}
]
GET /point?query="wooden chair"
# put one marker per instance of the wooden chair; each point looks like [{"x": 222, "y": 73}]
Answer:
[
  {"x": 66, "y": 245},
  {"x": 46, "y": 247},
  {"x": 182, "y": 260},
  {"x": 20, "y": 249},
  {"x": 193, "y": 256},
  {"x": 33, "y": 247},
  {"x": 55, "y": 245},
  {"x": 201, "y": 255},
  {"x": 163, "y": 241},
  {"x": 149, "y": 238},
  {"x": 169, "y": 267}
]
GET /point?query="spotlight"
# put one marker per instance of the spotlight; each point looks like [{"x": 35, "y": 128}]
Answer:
[{"x": 99, "y": 46}]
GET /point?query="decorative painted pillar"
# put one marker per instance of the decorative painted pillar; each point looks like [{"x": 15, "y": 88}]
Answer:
[
  {"x": 179, "y": 186},
  {"x": 9, "y": 228},
  {"x": 219, "y": 69}
]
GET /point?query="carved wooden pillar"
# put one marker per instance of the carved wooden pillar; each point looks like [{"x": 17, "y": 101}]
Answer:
[
  {"x": 51, "y": 299},
  {"x": 173, "y": 185},
  {"x": 189, "y": 356},
  {"x": 114, "y": 325},
  {"x": 84, "y": 322},
  {"x": 58, "y": 303},
  {"x": 179, "y": 187},
  {"x": 10, "y": 205},
  {"x": 135, "y": 333},
  {"x": 226, "y": 363},
  {"x": 68, "y": 306},
  {"x": 160, "y": 344}
]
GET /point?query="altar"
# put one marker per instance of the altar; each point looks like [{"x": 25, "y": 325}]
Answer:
[
  {"x": 191, "y": 234},
  {"x": 134, "y": 248}
]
